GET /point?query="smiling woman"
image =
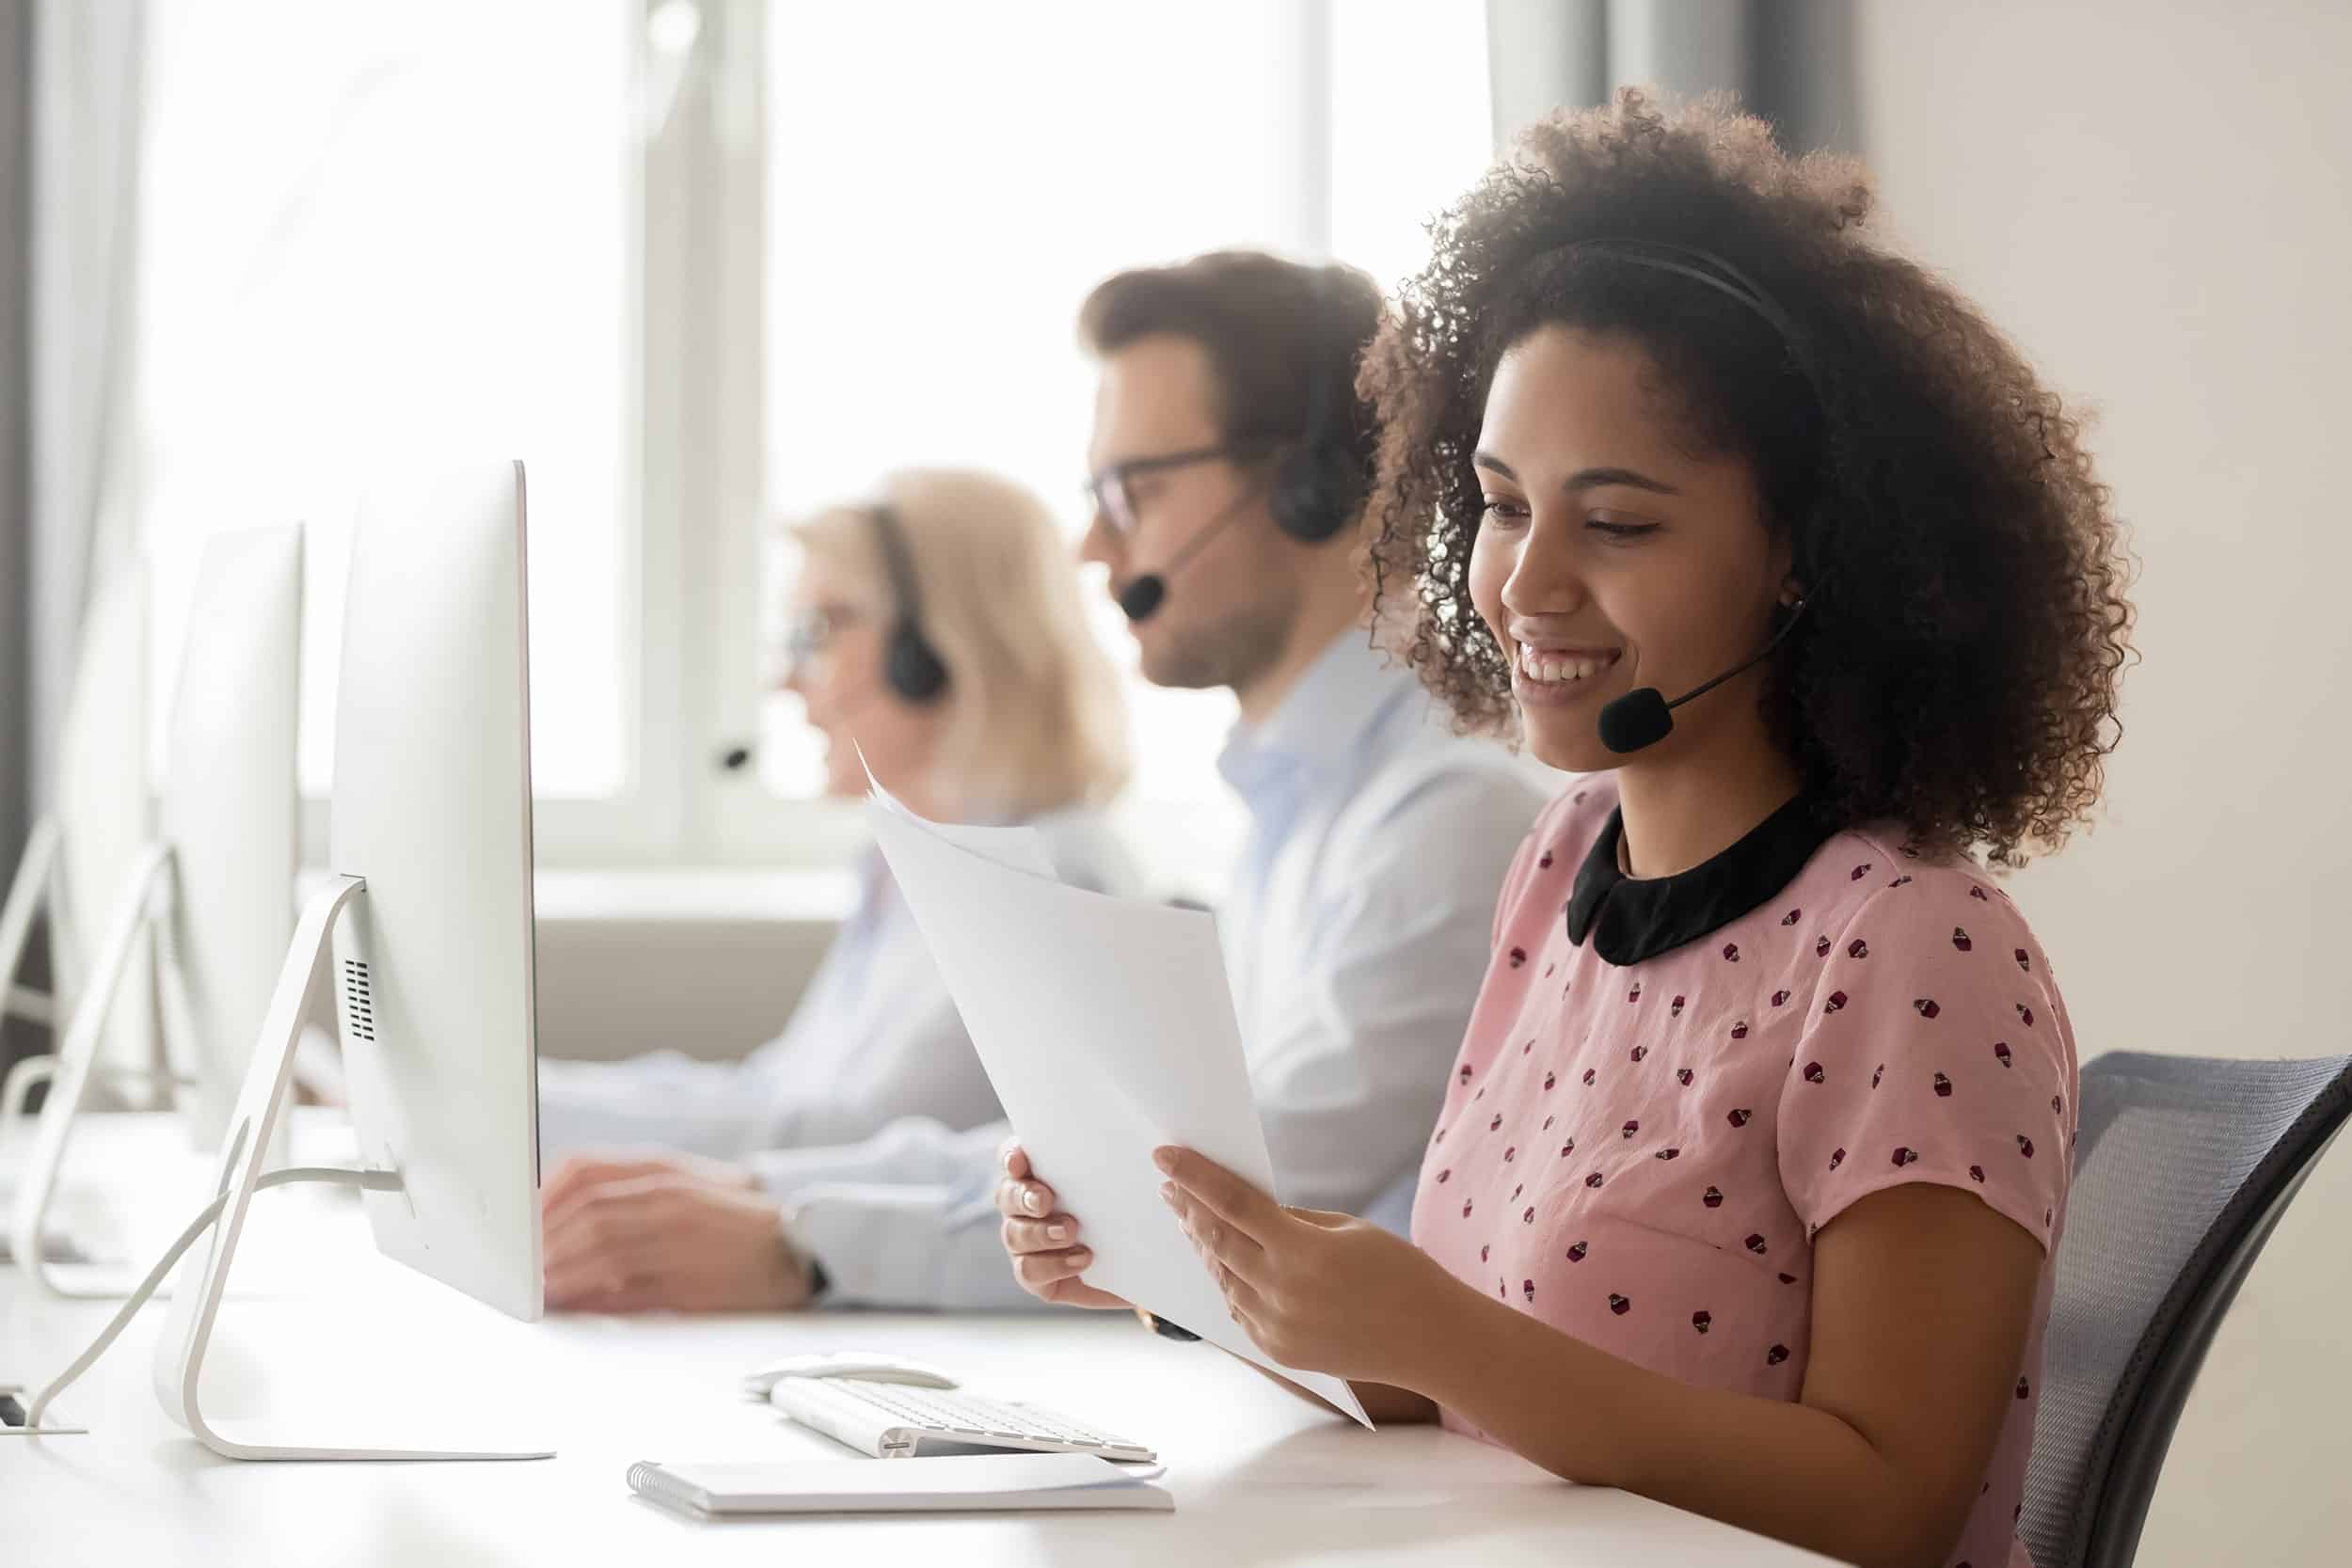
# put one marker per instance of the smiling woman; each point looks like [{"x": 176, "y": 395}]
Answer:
[
  {"x": 1669, "y": 409},
  {"x": 1754, "y": 1158},
  {"x": 1930, "y": 499},
  {"x": 1673, "y": 538}
]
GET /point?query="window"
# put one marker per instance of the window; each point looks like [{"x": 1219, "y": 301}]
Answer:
[
  {"x": 1410, "y": 125},
  {"x": 420, "y": 236},
  {"x": 703, "y": 263},
  {"x": 935, "y": 214},
  {"x": 946, "y": 183}
]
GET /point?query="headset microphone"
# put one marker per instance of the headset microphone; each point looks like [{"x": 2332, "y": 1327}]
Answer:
[
  {"x": 1142, "y": 597},
  {"x": 1320, "y": 479},
  {"x": 1643, "y": 716}
]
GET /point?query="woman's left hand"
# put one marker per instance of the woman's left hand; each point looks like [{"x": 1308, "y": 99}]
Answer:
[{"x": 1317, "y": 1291}]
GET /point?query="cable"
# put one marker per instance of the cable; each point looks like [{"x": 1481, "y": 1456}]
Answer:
[
  {"x": 30, "y": 1072},
  {"x": 371, "y": 1181}
]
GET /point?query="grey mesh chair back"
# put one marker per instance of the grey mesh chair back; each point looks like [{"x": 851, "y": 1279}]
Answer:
[{"x": 2182, "y": 1169}]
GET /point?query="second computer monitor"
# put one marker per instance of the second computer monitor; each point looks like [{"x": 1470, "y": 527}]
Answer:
[{"x": 231, "y": 814}]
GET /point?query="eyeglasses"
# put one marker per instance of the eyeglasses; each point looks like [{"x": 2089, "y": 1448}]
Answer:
[
  {"x": 1111, "y": 491},
  {"x": 811, "y": 634}
]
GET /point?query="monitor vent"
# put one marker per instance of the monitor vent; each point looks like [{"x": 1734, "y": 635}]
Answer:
[{"x": 358, "y": 1001}]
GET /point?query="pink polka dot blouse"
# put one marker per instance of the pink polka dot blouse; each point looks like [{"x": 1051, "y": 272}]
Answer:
[{"x": 1670, "y": 1084}]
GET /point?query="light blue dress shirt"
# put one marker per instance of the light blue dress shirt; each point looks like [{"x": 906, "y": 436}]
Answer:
[{"x": 1355, "y": 934}]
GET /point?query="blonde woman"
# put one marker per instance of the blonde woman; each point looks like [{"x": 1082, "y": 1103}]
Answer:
[{"x": 935, "y": 627}]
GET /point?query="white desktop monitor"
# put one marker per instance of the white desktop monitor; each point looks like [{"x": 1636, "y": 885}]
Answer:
[
  {"x": 424, "y": 935},
  {"x": 231, "y": 812},
  {"x": 433, "y": 963},
  {"x": 220, "y": 872}
]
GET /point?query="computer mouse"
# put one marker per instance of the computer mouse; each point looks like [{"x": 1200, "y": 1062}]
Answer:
[{"x": 874, "y": 1365}]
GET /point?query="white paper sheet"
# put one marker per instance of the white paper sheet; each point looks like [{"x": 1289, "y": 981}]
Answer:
[
  {"x": 1022, "y": 848},
  {"x": 1106, "y": 1027}
]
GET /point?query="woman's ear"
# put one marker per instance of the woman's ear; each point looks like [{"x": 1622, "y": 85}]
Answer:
[{"x": 1781, "y": 560}]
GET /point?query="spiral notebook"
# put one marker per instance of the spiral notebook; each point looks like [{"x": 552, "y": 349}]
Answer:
[{"x": 1011, "y": 1482}]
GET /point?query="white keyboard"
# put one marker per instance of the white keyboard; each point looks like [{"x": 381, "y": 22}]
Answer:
[{"x": 897, "y": 1421}]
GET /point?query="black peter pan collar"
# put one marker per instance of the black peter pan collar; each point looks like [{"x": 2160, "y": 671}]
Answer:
[{"x": 1630, "y": 920}]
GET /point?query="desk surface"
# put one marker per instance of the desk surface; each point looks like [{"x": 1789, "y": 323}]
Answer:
[{"x": 1259, "y": 1476}]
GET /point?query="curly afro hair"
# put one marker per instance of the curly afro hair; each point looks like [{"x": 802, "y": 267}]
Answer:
[{"x": 1958, "y": 667}]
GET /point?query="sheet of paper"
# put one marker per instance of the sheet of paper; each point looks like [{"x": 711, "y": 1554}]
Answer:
[
  {"x": 1107, "y": 1028},
  {"x": 1022, "y": 848}
]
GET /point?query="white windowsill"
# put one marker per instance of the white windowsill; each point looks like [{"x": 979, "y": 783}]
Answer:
[{"x": 683, "y": 894}]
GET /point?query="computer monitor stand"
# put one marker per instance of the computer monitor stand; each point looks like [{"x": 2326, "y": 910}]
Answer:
[
  {"x": 69, "y": 1073},
  {"x": 34, "y": 868},
  {"x": 30, "y": 1073},
  {"x": 203, "y": 1276},
  {"x": 26, "y": 895}
]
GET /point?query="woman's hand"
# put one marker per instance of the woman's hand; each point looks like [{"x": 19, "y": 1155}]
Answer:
[
  {"x": 1047, "y": 1256},
  {"x": 678, "y": 1234},
  {"x": 1317, "y": 1291}
]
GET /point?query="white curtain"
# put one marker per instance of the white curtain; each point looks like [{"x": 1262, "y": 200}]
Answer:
[
  {"x": 86, "y": 92},
  {"x": 16, "y": 599},
  {"x": 1789, "y": 60},
  {"x": 18, "y": 1037}
]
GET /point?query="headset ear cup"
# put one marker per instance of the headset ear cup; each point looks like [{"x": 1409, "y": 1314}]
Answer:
[
  {"x": 1289, "y": 498},
  {"x": 911, "y": 668},
  {"x": 1315, "y": 493},
  {"x": 1347, "y": 487}
]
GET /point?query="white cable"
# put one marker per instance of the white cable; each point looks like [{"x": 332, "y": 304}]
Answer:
[
  {"x": 30, "y": 1072},
  {"x": 372, "y": 1181}
]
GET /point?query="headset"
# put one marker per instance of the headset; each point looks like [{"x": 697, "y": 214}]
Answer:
[
  {"x": 1642, "y": 718},
  {"x": 1319, "y": 485},
  {"x": 911, "y": 665},
  {"x": 1321, "y": 481}
]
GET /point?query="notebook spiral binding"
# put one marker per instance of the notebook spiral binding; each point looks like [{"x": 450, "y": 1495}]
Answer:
[{"x": 650, "y": 1480}]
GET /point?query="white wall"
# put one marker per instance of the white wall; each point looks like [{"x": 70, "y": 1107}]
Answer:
[
  {"x": 706, "y": 962},
  {"x": 2151, "y": 196}
]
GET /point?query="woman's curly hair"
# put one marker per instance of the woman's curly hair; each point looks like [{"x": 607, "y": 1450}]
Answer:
[{"x": 1958, "y": 667}]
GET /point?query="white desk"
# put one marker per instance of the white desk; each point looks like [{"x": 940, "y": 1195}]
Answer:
[{"x": 1259, "y": 1476}]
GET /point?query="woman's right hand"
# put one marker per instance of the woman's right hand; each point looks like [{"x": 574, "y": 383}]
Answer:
[{"x": 1047, "y": 1255}]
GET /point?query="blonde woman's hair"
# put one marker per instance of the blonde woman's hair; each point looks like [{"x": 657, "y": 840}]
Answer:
[{"x": 1040, "y": 722}]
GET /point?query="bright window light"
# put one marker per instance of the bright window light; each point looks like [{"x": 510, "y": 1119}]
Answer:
[
  {"x": 368, "y": 234},
  {"x": 947, "y": 182}
]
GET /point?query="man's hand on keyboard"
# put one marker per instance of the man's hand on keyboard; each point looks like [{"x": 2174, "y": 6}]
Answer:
[{"x": 1047, "y": 1256}]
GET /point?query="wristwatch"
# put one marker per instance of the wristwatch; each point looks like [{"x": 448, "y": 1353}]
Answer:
[{"x": 795, "y": 1245}]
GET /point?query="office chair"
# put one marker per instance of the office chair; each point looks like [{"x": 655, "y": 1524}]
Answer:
[{"x": 2182, "y": 1169}]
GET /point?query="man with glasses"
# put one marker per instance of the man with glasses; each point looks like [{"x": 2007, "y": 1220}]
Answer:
[{"x": 1231, "y": 462}]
